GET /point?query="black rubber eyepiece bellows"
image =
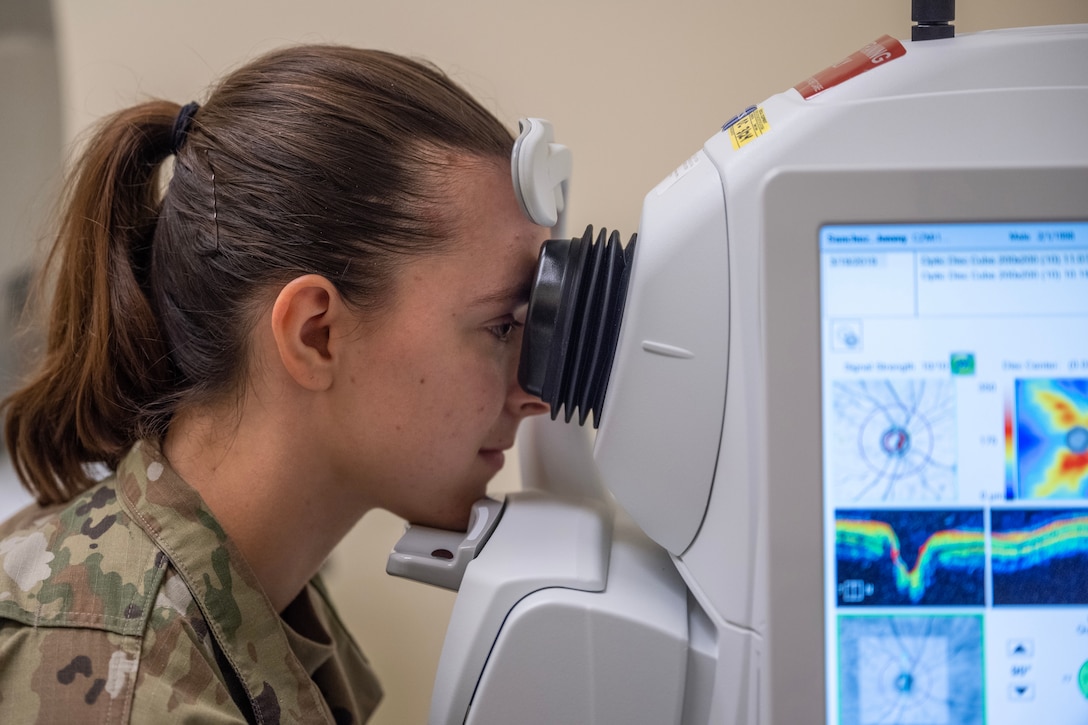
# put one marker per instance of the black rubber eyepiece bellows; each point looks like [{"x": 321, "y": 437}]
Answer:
[{"x": 575, "y": 307}]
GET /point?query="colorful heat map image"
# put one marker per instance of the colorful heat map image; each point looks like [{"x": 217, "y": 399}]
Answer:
[
  {"x": 911, "y": 670},
  {"x": 892, "y": 441},
  {"x": 1039, "y": 556},
  {"x": 900, "y": 557},
  {"x": 1051, "y": 439}
]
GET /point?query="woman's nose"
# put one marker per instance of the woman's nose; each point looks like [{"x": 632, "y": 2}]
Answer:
[{"x": 521, "y": 402}]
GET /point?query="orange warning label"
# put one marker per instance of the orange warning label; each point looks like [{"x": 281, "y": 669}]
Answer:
[{"x": 878, "y": 52}]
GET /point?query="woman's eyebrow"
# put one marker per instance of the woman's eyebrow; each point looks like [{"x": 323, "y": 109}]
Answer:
[{"x": 517, "y": 293}]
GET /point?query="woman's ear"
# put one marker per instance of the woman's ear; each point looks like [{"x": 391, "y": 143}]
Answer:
[{"x": 303, "y": 316}]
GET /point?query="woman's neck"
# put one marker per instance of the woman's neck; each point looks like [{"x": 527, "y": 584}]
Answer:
[{"x": 276, "y": 499}]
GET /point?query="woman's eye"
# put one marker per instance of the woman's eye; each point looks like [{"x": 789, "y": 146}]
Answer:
[{"x": 504, "y": 330}]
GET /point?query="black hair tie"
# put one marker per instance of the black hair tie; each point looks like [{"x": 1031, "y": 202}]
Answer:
[{"x": 181, "y": 126}]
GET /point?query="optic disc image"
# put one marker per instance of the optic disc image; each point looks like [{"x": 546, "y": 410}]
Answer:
[
  {"x": 897, "y": 558},
  {"x": 896, "y": 670},
  {"x": 1039, "y": 556},
  {"x": 892, "y": 441},
  {"x": 1052, "y": 438}
]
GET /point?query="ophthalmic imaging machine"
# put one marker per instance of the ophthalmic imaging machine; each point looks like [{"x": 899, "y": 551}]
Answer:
[{"x": 840, "y": 384}]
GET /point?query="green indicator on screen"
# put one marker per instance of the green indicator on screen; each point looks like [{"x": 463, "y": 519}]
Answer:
[
  {"x": 1082, "y": 679},
  {"x": 962, "y": 363}
]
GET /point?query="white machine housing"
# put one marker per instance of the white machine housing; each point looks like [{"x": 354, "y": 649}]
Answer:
[{"x": 697, "y": 594}]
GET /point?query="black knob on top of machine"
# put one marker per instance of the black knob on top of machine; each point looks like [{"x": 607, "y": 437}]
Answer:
[{"x": 934, "y": 19}]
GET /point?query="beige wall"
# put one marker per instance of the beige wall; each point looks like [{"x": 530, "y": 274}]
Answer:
[{"x": 633, "y": 87}]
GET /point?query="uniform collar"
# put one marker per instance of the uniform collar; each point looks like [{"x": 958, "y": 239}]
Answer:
[{"x": 238, "y": 612}]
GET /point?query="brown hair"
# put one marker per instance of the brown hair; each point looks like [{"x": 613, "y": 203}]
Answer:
[{"x": 316, "y": 159}]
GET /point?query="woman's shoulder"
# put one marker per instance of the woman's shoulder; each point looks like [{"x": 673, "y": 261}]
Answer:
[
  {"x": 82, "y": 563},
  {"x": 78, "y": 583}
]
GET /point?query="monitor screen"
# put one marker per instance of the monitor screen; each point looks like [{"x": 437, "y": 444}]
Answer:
[{"x": 955, "y": 472}]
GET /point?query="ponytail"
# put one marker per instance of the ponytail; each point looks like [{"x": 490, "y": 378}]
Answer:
[{"x": 105, "y": 359}]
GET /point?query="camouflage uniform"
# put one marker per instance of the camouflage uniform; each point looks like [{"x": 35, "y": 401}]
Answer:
[{"x": 130, "y": 604}]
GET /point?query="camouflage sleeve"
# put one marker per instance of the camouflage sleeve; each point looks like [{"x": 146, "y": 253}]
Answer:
[
  {"x": 57, "y": 663},
  {"x": 63, "y": 675},
  {"x": 89, "y": 675}
]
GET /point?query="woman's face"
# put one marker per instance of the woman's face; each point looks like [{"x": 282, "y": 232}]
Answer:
[{"x": 433, "y": 400}]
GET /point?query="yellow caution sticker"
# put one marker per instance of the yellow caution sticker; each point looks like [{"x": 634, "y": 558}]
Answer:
[{"x": 748, "y": 128}]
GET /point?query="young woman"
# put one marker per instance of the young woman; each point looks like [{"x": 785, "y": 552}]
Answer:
[{"x": 317, "y": 315}]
